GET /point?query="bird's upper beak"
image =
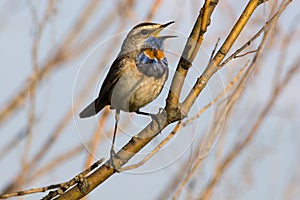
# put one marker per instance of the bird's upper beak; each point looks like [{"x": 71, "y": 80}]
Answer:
[
  {"x": 160, "y": 28},
  {"x": 166, "y": 24}
]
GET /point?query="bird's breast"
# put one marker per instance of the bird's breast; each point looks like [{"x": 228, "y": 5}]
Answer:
[
  {"x": 134, "y": 89},
  {"x": 152, "y": 62}
]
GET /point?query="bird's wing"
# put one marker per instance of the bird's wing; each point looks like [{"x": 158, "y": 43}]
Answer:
[
  {"x": 104, "y": 98},
  {"x": 112, "y": 77}
]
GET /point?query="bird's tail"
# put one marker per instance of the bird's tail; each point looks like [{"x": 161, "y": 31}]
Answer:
[{"x": 91, "y": 109}]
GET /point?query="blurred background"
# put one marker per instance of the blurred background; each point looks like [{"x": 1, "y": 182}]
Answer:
[{"x": 55, "y": 55}]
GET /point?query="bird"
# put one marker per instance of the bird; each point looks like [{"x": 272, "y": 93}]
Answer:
[{"x": 137, "y": 75}]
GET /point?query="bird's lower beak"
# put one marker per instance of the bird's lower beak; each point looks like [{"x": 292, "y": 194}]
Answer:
[
  {"x": 161, "y": 27},
  {"x": 166, "y": 36}
]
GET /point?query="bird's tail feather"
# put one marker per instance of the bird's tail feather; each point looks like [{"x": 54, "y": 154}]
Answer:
[{"x": 90, "y": 110}]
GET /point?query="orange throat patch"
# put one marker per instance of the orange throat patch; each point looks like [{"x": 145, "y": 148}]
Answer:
[{"x": 154, "y": 54}]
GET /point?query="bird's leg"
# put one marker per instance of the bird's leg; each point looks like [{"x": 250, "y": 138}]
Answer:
[
  {"x": 153, "y": 116},
  {"x": 112, "y": 150}
]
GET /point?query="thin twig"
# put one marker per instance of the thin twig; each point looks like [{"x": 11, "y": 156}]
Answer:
[
  {"x": 248, "y": 43},
  {"x": 56, "y": 162},
  {"x": 214, "y": 50},
  {"x": 244, "y": 54},
  {"x": 79, "y": 179},
  {"x": 153, "y": 9},
  {"x": 14, "y": 142}
]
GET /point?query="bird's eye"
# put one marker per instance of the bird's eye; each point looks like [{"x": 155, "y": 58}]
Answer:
[{"x": 144, "y": 32}]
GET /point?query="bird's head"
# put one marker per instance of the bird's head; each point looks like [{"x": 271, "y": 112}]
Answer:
[{"x": 145, "y": 35}]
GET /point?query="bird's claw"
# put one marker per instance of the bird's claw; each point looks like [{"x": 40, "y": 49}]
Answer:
[
  {"x": 154, "y": 118},
  {"x": 111, "y": 160}
]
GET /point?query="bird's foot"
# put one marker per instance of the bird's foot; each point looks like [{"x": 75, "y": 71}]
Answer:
[
  {"x": 154, "y": 118},
  {"x": 111, "y": 160}
]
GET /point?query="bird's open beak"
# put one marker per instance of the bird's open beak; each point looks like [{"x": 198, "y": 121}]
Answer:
[{"x": 160, "y": 28}]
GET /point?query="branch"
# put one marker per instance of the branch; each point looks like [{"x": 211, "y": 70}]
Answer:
[
  {"x": 136, "y": 143},
  {"x": 189, "y": 53},
  {"x": 213, "y": 66}
]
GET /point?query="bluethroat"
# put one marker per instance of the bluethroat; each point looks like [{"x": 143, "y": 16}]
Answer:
[{"x": 137, "y": 75}]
